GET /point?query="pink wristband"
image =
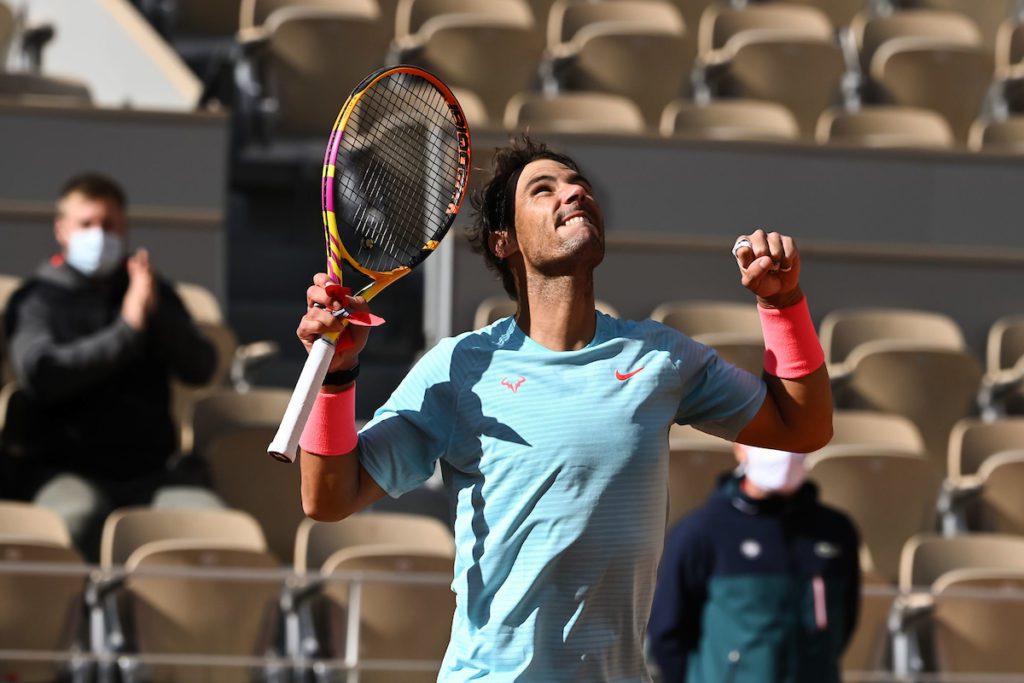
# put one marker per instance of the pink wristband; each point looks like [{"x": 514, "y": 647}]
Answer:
[
  {"x": 331, "y": 427},
  {"x": 791, "y": 346}
]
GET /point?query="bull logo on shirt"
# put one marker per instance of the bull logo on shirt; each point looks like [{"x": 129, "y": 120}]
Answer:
[{"x": 514, "y": 387}]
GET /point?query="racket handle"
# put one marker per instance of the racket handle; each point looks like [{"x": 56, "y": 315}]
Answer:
[{"x": 285, "y": 445}]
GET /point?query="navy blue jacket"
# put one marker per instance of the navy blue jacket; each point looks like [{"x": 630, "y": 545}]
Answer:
[{"x": 756, "y": 590}]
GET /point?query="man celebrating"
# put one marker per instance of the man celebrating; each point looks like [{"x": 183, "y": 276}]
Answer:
[
  {"x": 551, "y": 427},
  {"x": 95, "y": 336}
]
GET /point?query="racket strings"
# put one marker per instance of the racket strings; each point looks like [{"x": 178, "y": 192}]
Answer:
[{"x": 394, "y": 179}]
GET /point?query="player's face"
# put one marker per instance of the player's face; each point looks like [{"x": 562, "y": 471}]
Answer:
[
  {"x": 77, "y": 212},
  {"x": 559, "y": 225}
]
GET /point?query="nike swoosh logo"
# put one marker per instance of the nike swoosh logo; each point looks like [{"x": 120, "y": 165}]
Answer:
[{"x": 622, "y": 378}]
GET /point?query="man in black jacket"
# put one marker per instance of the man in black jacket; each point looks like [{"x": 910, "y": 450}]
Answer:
[
  {"x": 760, "y": 585},
  {"x": 94, "y": 337}
]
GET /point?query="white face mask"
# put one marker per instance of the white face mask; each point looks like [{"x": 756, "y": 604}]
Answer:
[
  {"x": 93, "y": 251},
  {"x": 775, "y": 470}
]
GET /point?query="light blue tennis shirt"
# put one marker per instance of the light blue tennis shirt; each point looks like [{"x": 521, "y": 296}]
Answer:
[{"x": 558, "y": 462}]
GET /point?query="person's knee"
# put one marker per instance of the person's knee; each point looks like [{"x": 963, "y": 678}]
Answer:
[{"x": 81, "y": 505}]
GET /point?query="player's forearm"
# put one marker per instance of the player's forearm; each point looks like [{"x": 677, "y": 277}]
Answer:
[
  {"x": 804, "y": 408},
  {"x": 330, "y": 485}
]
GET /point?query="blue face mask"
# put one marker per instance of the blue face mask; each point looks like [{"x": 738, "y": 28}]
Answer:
[{"x": 93, "y": 251}]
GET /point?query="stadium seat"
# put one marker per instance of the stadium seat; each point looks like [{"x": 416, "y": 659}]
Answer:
[
  {"x": 6, "y": 30},
  {"x": 408, "y": 622},
  {"x": 932, "y": 386},
  {"x": 741, "y": 350},
  {"x": 998, "y": 136},
  {"x": 30, "y": 88},
  {"x": 701, "y": 317},
  {"x": 574, "y": 112},
  {"x": 978, "y": 618},
  {"x": 33, "y": 524},
  {"x": 839, "y": 12},
  {"x": 867, "y": 650},
  {"x": 972, "y": 441},
  {"x": 491, "y": 49},
  {"x": 1001, "y": 390},
  {"x": 185, "y": 396},
  {"x": 1010, "y": 48},
  {"x": 8, "y": 285},
  {"x": 500, "y": 306},
  {"x": 871, "y": 32},
  {"x": 885, "y": 126},
  {"x": 779, "y": 52},
  {"x": 197, "y": 615},
  {"x": 732, "y": 119},
  {"x": 310, "y": 59},
  {"x": 317, "y": 541},
  {"x": 40, "y": 611},
  {"x": 610, "y": 47},
  {"x": 1000, "y": 508},
  {"x": 269, "y": 491},
  {"x": 128, "y": 529},
  {"x": 200, "y": 302},
  {"x": 987, "y": 16},
  {"x": 223, "y": 411},
  {"x": 843, "y": 330},
  {"x": 925, "y": 559},
  {"x": 890, "y": 497},
  {"x": 950, "y": 79},
  {"x": 865, "y": 430},
  {"x": 472, "y": 108},
  {"x": 255, "y": 13},
  {"x": 693, "y": 471}
]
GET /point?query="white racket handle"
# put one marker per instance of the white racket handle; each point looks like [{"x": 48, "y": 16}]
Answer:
[{"x": 285, "y": 445}]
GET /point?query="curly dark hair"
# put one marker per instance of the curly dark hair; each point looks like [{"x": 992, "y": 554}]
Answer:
[{"x": 494, "y": 204}]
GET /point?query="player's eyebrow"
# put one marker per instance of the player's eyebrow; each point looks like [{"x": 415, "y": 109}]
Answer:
[{"x": 577, "y": 178}]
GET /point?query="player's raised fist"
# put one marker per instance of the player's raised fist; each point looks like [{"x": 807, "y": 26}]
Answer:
[{"x": 769, "y": 264}]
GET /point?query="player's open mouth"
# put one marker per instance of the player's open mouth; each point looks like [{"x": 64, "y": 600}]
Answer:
[{"x": 575, "y": 218}]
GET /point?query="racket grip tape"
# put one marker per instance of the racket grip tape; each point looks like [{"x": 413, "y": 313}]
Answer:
[{"x": 285, "y": 445}]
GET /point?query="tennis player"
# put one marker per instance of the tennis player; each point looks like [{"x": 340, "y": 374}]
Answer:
[{"x": 551, "y": 430}]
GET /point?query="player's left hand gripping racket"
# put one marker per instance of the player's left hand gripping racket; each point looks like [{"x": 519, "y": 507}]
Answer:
[{"x": 394, "y": 177}]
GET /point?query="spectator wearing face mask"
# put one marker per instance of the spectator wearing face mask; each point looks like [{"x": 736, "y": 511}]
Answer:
[
  {"x": 761, "y": 584},
  {"x": 94, "y": 338}
]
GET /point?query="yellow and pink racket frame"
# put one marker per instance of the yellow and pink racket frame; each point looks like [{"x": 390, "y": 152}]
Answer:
[{"x": 336, "y": 250}]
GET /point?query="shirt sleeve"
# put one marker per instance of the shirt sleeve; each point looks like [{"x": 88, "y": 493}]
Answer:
[
  {"x": 718, "y": 397},
  {"x": 401, "y": 444}
]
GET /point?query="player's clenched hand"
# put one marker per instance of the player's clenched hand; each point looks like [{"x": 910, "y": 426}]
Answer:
[
  {"x": 769, "y": 267},
  {"x": 318, "y": 321}
]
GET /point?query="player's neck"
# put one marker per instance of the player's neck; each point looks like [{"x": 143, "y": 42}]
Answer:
[{"x": 558, "y": 313}]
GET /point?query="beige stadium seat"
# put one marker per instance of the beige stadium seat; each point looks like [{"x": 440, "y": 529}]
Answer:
[
  {"x": 314, "y": 57},
  {"x": 6, "y": 30},
  {"x": 200, "y": 302},
  {"x": 934, "y": 387},
  {"x": 184, "y": 396},
  {"x": 196, "y": 615},
  {"x": 885, "y": 127},
  {"x": 1000, "y": 509},
  {"x": 927, "y": 557},
  {"x": 867, "y": 430},
  {"x": 246, "y": 479},
  {"x": 743, "y": 351},
  {"x": 254, "y": 13},
  {"x": 735, "y": 119},
  {"x": 396, "y": 621},
  {"x": 978, "y": 618},
  {"x": 32, "y": 523},
  {"x": 972, "y": 441},
  {"x": 890, "y": 498},
  {"x": 490, "y": 48},
  {"x": 574, "y": 112},
  {"x": 693, "y": 472},
  {"x": 39, "y": 611},
  {"x": 872, "y": 32},
  {"x": 930, "y": 73},
  {"x": 500, "y": 306},
  {"x": 29, "y": 88},
  {"x": 472, "y": 108},
  {"x": 1010, "y": 49},
  {"x": 1005, "y": 137},
  {"x": 701, "y": 317},
  {"x": 1001, "y": 391},
  {"x": 611, "y": 46},
  {"x": 1005, "y": 342},
  {"x": 779, "y": 52},
  {"x": 843, "y": 330},
  {"x": 128, "y": 529},
  {"x": 225, "y": 410},
  {"x": 986, "y": 15},
  {"x": 839, "y": 12},
  {"x": 317, "y": 541},
  {"x": 8, "y": 285}
]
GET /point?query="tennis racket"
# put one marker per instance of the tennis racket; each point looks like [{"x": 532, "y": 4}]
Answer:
[{"x": 394, "y": 177}]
